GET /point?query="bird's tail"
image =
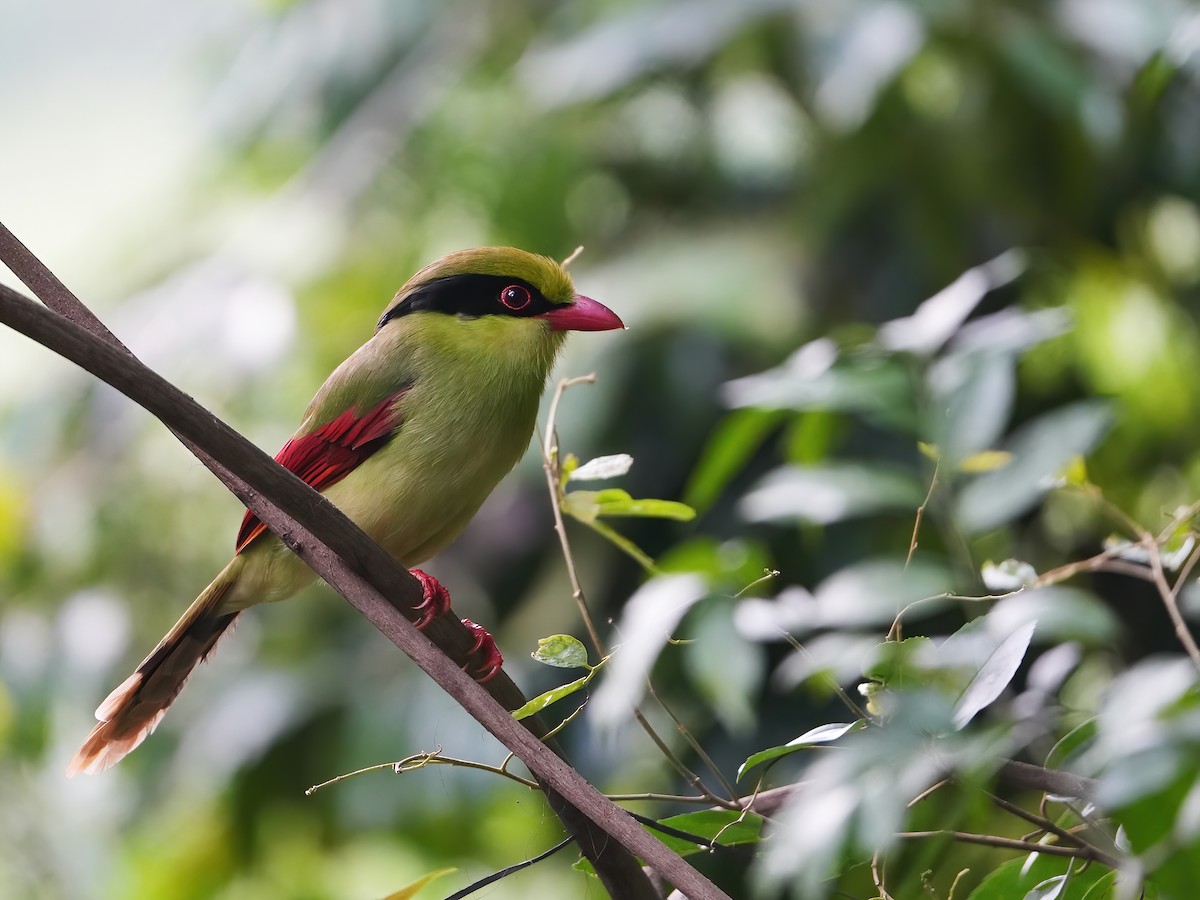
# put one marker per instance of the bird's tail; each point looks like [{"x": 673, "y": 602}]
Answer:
[{"x": 133, "y": 710}]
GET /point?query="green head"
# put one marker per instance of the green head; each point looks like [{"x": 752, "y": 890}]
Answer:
[
  {"x": 500, "y": 282},
  {"x": 492, "y": 316}
]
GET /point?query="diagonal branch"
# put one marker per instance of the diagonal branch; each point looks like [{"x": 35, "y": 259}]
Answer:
[{"x": 357, "y": 568}]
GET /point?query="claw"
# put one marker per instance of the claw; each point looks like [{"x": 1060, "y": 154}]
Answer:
[
  {"x": 485, "y": 661},
  {"x": 435, "y": 599}
]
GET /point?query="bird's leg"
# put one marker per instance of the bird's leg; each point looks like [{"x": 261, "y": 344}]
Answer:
[
  {"x": 435, "y": 599},
  {"x": 484, "y": 659}
]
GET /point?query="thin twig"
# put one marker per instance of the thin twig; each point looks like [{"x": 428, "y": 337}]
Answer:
[
  {"x": 699, "y": 840},
  {"x": 345, "y": 775},
  {"x": 1043, "y": 823},
  {"x": 567, "y": 721},
  {"x": 1181, "y": 516},
  {"x": 429, "y": 758},
  {"x": 877, "y": 876},
  {"x": 1170, "y": 600},
  {"x": 829, "y": 679},
  {"x": 666, "y": 798},
  {"x": 767, "y": 575},
  {"x": 954, "y": 883},
  {"x": 504, "y": 873},
  {"x": 551, "y": 464},
  {"x": 626, "y": 546},
  {"x": 992, "y": 840},
  {"x": 1186, "y": 569},
  {"x": 694, "y": 744},
  {"x": 912, "y": 543},
  {"x": 929, "y": 791}
]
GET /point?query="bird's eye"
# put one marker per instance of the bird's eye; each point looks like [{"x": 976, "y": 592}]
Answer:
[{"x": 515, "y": 297}]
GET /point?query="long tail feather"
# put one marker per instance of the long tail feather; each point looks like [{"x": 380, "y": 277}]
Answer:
[{"x": 134, "y": 709}]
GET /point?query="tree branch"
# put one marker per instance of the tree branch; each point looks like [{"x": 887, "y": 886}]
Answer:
[{"x": 357, "y": 568}]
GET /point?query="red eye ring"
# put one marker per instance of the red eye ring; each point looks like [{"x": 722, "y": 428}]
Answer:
[{"x": 516, "y": 297}]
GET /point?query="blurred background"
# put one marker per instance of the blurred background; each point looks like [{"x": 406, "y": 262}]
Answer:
[{"x": 237, "y": 188}]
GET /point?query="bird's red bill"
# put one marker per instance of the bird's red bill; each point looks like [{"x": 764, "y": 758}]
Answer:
[{"x": 583, "y": 314}]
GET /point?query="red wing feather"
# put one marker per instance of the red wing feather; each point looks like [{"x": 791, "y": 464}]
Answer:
[{"x": 326, "y": 456}]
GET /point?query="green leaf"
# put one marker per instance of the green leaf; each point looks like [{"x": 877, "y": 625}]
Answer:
[
  {"x": 832, "y": 493},
  {"x": 541, "y": 701},
  {"x": 1051, "y": 888},
  {"x": 874, "y": 591},
  {"x": 581, "y": 505},
  {"x": 561, "y": 650},
  {"x": 1014, "y": 879},
  {"x": 410, "y": 891},
  {"x": 936, "y": 319},
  {"x": 729, "y": 448},
  {"x": 813, "y": 378},
  {"x": 719, "y": 825},
  {"x": 985, "y": 461},
  {"x": 1070, "y": 745},
  {"x": 972, "y": 396},
  {"x": 1061, "y": 613},
  {"x": 896, "y": 661},
  {"x": 647, "y": 621},
  {"x": 1074, "y": 472},
  {"x": 725, "y": 667},
  {"x": 822, "y": 734},
  {"x": 1040, "y": 451},
  {"x": 994, "y": 675},
  {"x": 1010, "y": 575},
  {"x": 602, "y": 467},
  {"x": 587, "y": 506},
  {"x": 569, "y": 464},
  {"x": 1104, "y": 888}
]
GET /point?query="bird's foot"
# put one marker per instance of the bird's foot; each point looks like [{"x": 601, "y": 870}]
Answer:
[
  {"x": 484, "y": 659},
  {"x": 435, "y": 599}
]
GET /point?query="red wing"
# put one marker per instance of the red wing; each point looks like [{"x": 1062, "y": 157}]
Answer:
[{"x": 327, "y": 455}]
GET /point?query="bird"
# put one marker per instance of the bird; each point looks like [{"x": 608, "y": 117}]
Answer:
[{"x": 408, "y": 437}]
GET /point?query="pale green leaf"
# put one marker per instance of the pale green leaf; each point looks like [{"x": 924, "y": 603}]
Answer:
[
  {"x": 602, "y": 467},
  {"x": 1072, "y": 744},
  {"x": 1040, "y": 451},
  {"x": 822, "y": 734},
  {"x": 587, "y": 506},
  {"x": 985, "y": 461},
  {"x": 1009, "y": 575},
  {"x": 410, "y": 891},
  {"x": 541, "y": 701},
  {"x": 994, "y": 675},
  {"x": 647, "y": 622},
  {"x": 561, "y": 650},
  {"x": 581, "y": 505},
  {"x": 831, "y": 493}
]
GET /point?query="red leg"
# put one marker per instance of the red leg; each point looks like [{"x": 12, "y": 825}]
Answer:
[
  {"x": 435, "y": 599},
  {"x": 485, "y": 659}
]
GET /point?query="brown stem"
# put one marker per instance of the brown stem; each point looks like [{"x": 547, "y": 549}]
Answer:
[{"x": 1170, "y": 599}]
